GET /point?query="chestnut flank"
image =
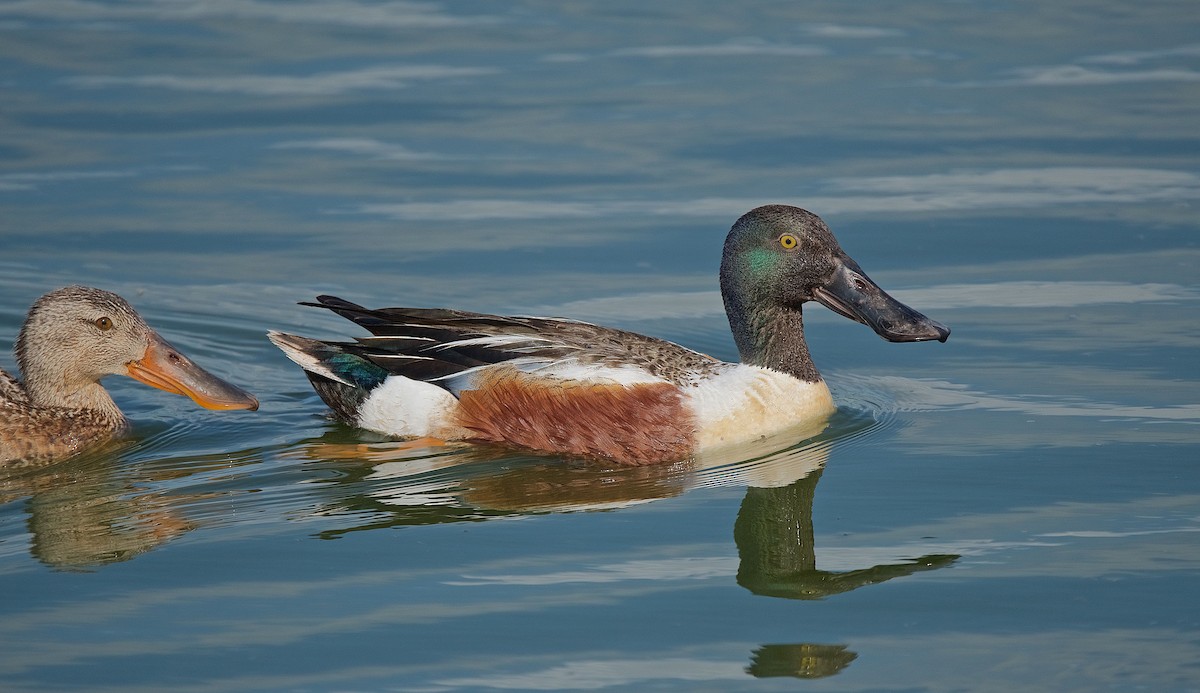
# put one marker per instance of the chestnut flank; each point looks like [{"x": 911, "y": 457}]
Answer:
[{"x": 633, "y": 425}]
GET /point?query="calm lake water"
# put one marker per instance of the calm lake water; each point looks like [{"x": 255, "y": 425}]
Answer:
[{"x": 1016, "y": 509}]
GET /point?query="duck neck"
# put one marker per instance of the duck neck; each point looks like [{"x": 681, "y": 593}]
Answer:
[
  {"x": 45, "y": 390},
  {"x": 772, "y": 337}
]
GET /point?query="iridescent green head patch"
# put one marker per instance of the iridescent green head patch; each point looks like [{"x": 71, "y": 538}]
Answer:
[{"x": 761, "y": 261}]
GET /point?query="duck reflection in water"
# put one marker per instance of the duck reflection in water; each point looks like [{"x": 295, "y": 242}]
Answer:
[
  {"x": 101, "y": 507},
  {"x": 773, "y": 532},
  {"x": 407, "y": 485},
  {"x": 88, "y": 513},
  {"x": 776, "y": 547},
  {"x": 800, "y": 660}
]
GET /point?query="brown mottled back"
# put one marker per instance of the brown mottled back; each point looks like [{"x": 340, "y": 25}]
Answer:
[
  {"x": 436, "y": 336},
  {"x": 39, "y": 434}
]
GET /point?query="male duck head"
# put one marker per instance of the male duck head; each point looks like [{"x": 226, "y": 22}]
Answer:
[
  {"x": 778, "y": 257},
  {"x": 77, "y": 335}
]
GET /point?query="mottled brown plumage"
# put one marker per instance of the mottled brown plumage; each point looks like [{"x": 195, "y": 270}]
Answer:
[
  {"x": 407, "y": 331},
  {"x": 72, "y": 338}
]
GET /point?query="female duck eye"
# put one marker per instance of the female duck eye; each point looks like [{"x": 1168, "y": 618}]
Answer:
[
  {"x": 788, "y": 241},
  {"x": 104, "y": 323}
]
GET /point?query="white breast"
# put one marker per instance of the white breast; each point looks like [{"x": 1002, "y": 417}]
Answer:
[{"x": 747, "y": 402}]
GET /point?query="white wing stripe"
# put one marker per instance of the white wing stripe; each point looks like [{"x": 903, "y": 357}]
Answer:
[{"x": 502, "y": 340}]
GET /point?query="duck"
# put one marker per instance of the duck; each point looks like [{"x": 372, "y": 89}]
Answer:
[
  {"x": 566, "y": 387},
  {"x": 71, "y": 339}
]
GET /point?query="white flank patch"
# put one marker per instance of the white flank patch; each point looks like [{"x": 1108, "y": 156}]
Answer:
[
  {"x": 747, "y": 402},
  {"x": 409, "y": 408}
]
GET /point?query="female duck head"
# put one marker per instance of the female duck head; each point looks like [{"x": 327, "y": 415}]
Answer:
[
  {"x": 77, "y": 335},
  {"x": 776, "y": 258}
]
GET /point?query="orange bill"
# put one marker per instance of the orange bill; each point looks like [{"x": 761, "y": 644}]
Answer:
[{"x": 165, "y": 368}]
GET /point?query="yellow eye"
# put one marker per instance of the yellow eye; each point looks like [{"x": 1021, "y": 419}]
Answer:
[
  {"x": 104, "y": 323},
  {"x": 788, "y": 241}
]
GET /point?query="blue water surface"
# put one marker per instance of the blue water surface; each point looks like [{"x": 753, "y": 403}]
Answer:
[{"x": 1015, "y": 509}]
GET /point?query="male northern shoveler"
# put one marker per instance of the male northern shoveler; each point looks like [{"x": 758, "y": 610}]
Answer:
[
  {"x": 71, "y": 339},
  {"x": 571, "y": 387}
]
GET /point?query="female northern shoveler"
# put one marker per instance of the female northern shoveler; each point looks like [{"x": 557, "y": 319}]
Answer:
[
  {"x": 571, "y": 387},
  {"x": 71, "y": 339}
]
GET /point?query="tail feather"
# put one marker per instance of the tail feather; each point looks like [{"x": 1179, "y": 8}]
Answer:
[
  {"x": 342, "y": 379},
  {"x": 309, "y": 354}
]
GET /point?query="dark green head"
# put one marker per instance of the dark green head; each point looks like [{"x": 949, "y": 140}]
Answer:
[{"x": 776, "y": 258}]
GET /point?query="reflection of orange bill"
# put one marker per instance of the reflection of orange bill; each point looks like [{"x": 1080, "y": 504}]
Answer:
[{"x": 164, "y": 367}]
